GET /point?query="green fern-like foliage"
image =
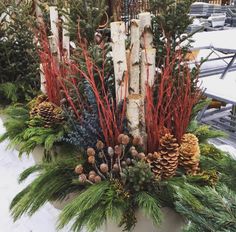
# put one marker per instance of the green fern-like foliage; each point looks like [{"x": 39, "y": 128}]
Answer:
[
  {"x": 102, "y": 201},
  {"x": 21, "y": 133},
  {"x": 216, "y": 209},
  {"x": 54, "y": 182}
]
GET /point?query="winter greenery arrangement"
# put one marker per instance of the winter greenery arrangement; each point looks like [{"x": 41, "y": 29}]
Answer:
[{"x": 112, "y": 171}]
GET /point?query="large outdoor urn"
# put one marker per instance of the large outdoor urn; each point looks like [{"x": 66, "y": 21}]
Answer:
[{"x": 172, "y": 222}]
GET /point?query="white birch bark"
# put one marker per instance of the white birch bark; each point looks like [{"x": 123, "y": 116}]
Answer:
[
  {"x": 65, "y": 35},
  {"x": 119, "y": 58},
  {"x": 147, "y": 68},
  {"x": 134, "y": 66},
  {"x": 54, "y": 25},
  {"x": 145, "y": 30},
  {"x": 135, "y": 113},
  {"x": 42, "y": 80}
]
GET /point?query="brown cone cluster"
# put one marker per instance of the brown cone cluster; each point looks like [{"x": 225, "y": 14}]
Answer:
[
  {"x": 189, "y": 154},
  {"x": 48, "y": 112},
  {"x": 169, "y": 151},
  {"x": 154, "y": 161}
]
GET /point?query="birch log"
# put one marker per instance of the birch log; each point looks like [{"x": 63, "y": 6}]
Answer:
[
  {"x": 42, "y": 80},
  {"x": 145, "y": 30},
  {"x": 54, "y": 26},
  {"x": 134, "y": 67},
  {"x": 119, "y": 58},
  {"x": 148, "y": 68},
  {"x": 135, "y": 113},
  {"x": 65, "y": 34}
]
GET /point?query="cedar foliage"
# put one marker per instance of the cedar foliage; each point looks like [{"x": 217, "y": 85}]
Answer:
[{"x": 28, "y": 133}]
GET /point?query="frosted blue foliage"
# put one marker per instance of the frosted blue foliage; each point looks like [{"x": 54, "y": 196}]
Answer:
[{"x": 86, "y": 133}]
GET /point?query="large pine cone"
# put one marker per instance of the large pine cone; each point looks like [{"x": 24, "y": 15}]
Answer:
[
  {"x": 48, "y": 112},
  {"x": 189, "y": 154},
  {"x": 154, "y": 160},
  {"x": 169, "y": 151}
]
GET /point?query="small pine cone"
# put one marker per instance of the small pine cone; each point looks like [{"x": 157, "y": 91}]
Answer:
[
  {"x": 189, "y": 154},
  {"x": 48, "y": 112},
  {"x": 34, "y": 112},
  {"x": 154, "y": 160},
  {"x": 169, "y": 150}
]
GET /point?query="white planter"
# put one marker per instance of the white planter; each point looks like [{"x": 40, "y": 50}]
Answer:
[
  {"x": 61, "y": 204},
  {"x": 172, "y": 222},
  {"x": 3, "y": 117},
  {"x": 38, "y": 154}
]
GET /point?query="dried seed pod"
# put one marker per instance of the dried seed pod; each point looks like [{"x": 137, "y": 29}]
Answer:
[
  {"x": 91, "y": 159},
  {"x": 141, "y": 155},
  {"x": 120, "y": 137},
  {"x": 104, "y": 168},
  {"x": 134, "y": 153},
  {"x": 82, "y": 178},
  {"x": 100, "y": 155},
  {"x": 125, "y": 140},
  {"x": 97, "y": 179},
  {"x": 118, "y": 150},
  {"x": 116, "y": 168},
  {"x": 79, "y": 169},
  {"x": 100, "y": 145},
  {"x": 110, "y": 151},
  {"x": 92, "y": 173},
  {"x": 132, "y": 148},
  {"x": 123, "y": 164},
  {"x": 91, "y": 152},
  {"x": 128, "y": 161},
  {"x": 137, "y": 140},
  {"x": 92, "y": 178}
]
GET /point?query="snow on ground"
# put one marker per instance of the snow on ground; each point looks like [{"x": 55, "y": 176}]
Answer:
[{"x": 45, "y": 219}]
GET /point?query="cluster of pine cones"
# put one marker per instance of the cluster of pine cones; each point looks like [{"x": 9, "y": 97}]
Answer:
[
  {"x": 172, "y": 155},
  {"x": 48, "y": 112}
]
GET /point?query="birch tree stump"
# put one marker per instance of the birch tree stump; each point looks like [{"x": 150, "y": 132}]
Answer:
[
  {"x": 148, "y": 68},
  {"x": 134, "y": 65},
  {"x": 119, "y": 58}
]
